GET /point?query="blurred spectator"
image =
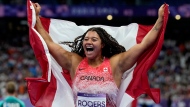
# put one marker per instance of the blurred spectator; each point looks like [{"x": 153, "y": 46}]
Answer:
[{"x": 11, "y": 100}]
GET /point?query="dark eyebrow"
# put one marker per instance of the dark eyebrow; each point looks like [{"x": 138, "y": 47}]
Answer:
[{"x": 94, "y": 38}]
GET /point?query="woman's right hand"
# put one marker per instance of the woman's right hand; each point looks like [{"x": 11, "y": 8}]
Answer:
[
  {"x": 37, "y": 8},
  {"x": 161, "y": 11}
]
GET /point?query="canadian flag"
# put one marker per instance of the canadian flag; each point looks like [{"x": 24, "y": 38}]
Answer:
[{"x": 53, "y": 89}]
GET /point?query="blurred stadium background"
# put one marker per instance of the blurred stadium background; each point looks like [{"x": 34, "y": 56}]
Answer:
[{"x": 170, "y": 73}]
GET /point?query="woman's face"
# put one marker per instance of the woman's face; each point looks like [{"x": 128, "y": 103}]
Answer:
[{"x": 92, "y": 45}]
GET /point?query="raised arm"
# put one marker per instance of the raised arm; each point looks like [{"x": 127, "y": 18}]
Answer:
[
  {"x": 126, "y": 60},
  {"x": 64, "y": 58}
]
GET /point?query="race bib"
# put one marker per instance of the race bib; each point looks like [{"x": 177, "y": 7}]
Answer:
[{"x": 91, "y": 100}]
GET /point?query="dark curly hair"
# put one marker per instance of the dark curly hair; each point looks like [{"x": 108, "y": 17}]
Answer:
[{"x": 111, "y": 46}]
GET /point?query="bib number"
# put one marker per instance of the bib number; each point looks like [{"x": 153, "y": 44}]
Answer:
[{"x": 91, "y": 100}]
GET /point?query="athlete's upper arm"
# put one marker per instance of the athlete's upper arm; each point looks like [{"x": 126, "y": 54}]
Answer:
[
  {"x": 126, "y": 60},
  {"x": 63, "y": 57}
]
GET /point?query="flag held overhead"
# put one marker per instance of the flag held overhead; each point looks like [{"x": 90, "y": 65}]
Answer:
[{"x": 53, "y": 89}]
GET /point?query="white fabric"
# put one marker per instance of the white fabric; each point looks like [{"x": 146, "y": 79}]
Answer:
[
  {"x": 63, "y": 31},
  {"x": 126, "y": 101},
  {"x": 64, "y": 91}
]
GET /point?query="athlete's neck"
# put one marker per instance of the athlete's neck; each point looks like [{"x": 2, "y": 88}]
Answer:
[{"x": 96, "y": 61}]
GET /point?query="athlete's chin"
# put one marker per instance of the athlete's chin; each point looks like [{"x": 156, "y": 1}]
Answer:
[{"x": 90, "y": 57}]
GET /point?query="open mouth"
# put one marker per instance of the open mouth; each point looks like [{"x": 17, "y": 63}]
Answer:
[{"x": 89, "y": 48}]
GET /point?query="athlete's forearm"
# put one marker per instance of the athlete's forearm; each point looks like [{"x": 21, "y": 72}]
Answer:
[
  {"x": 39, "y": 27},
  {"x": 153, "y": 34}
]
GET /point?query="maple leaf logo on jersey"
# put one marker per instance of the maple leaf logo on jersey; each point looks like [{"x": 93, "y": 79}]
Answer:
[{"x": 105, "y": 69}]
